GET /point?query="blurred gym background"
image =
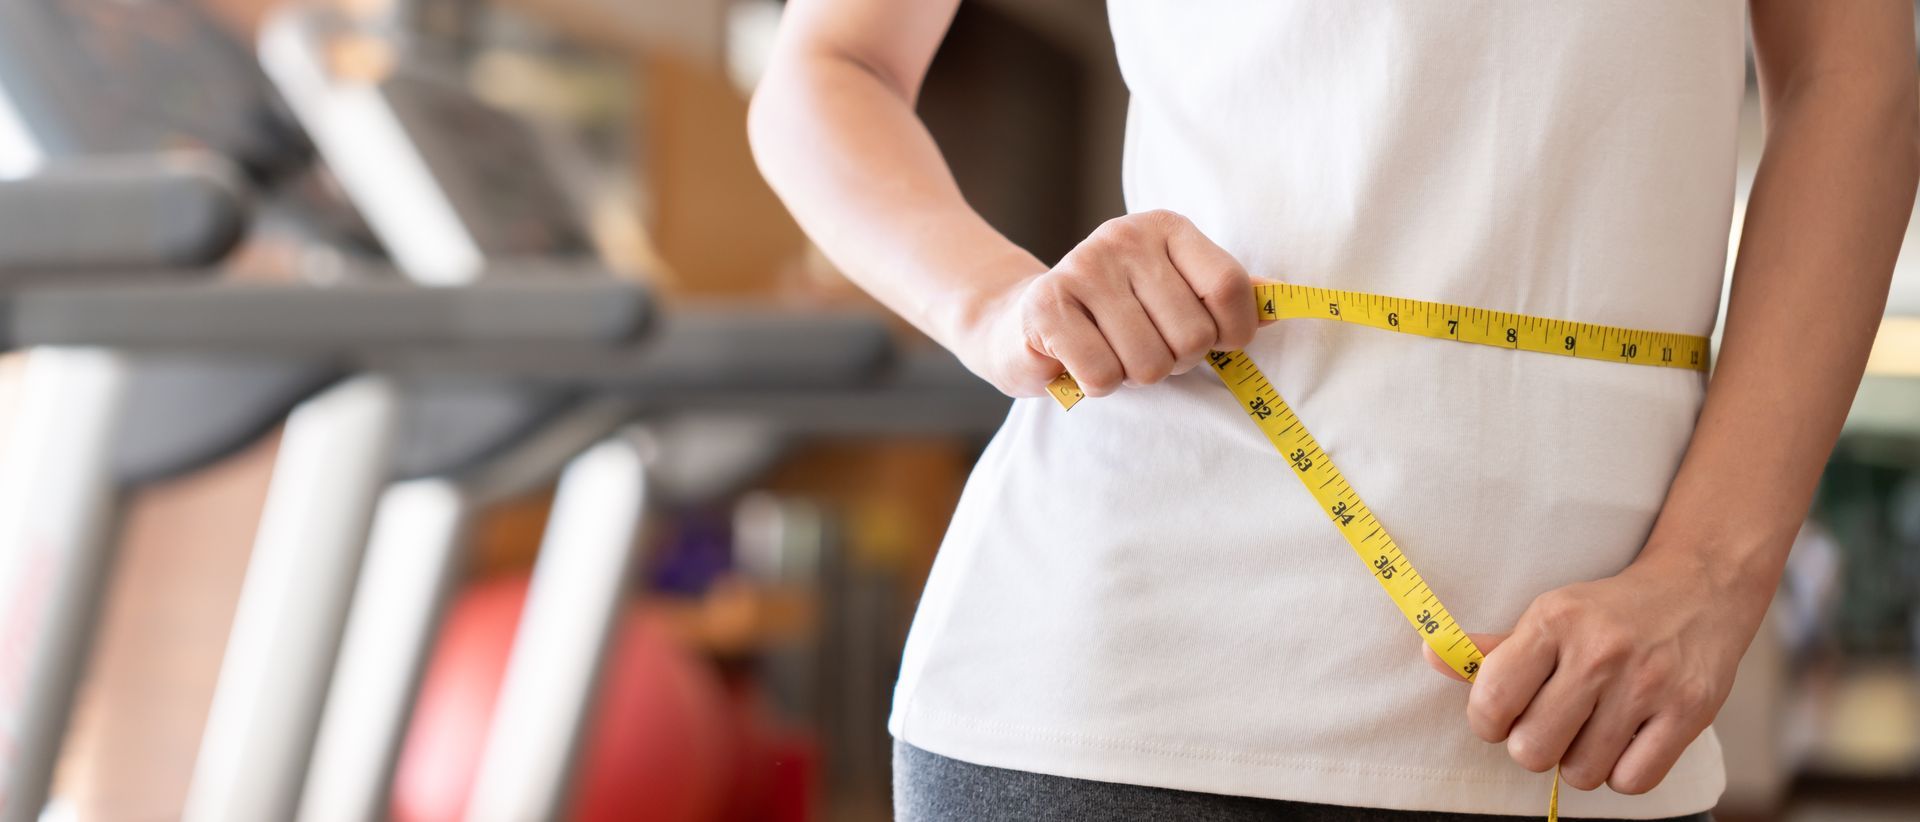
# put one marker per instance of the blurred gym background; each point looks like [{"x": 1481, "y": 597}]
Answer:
[{"x": 751, "y": 667}]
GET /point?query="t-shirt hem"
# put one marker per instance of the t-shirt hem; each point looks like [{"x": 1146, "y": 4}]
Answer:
[{"x": 1293, "y": 778}]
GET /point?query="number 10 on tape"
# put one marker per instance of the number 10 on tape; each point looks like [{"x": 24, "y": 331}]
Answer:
[{"x": 1336, "y": 497}]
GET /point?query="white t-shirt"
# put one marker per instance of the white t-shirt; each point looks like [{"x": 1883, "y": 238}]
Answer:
[{"x": 1140, "y": 591}]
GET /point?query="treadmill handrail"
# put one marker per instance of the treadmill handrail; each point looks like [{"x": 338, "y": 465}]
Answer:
[
  {"x": 293, "y": 318},
  {"x": 690, "y": 349},
  {"x": 173, "y": 214}
]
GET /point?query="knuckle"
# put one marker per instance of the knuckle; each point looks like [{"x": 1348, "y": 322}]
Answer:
[
  {"x": 1163, "y": 220},
  {"x": 1489, "y": 693},
  {"x": 1631, "y": 781},
  {"x": 1097, "y": 282},
  {"x": 1191, "y": 341},
  {"x": 1650, "y": 682},
  {"x": 1047, "y": 297},
  {"x": 1554, "y": 612},
  {"x": 1100, "y": 379},
  {"x": 1123, "y": 231},
  {"x": 1228, "y": 283},
  {"x": 1583, "y": 776},
  {"x": 1694, "y": 698},
  {"x": 1529, "y": 752},
  {"x": 1659, "y": 668},
  {"x": 1608, "y": 647},
  {"x": 1482, "y": 719},
  {"x": 1150, "y": 369}
]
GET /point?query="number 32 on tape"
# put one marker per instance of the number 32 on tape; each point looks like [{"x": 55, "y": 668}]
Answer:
[{"x": 1350, "y": 515}]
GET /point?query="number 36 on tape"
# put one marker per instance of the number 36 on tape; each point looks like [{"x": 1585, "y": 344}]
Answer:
[{"x": 1377, "y": 551}]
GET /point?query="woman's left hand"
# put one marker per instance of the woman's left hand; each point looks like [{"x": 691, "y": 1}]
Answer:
[{"x": 1611, "y": 679}]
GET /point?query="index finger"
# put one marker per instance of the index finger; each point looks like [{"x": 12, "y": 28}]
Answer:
[
  {"x": 1485, "y": 642},
  {"x": 1508, "y": 680}
]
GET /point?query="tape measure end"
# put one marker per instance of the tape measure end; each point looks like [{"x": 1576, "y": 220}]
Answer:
[{"x": 1066, "y": 392}]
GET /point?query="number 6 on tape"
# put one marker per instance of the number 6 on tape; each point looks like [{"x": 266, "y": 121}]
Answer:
[{"x": 1349, "y": 514}]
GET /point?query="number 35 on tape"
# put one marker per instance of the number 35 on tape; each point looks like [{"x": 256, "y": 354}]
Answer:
[{"x": 1377, "y": 551}]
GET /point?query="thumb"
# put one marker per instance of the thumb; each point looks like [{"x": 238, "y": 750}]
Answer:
[
  {"x": 1020, "y": 359},
  {"x": 1485, "y": 642},
  {"x": 1033, "y": 370}
]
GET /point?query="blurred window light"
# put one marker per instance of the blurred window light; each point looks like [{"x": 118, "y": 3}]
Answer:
[
  {"x": 1896, "y": 349},
  {"x": 19, "y": 153},
  {"x": 751, "y": 27}
]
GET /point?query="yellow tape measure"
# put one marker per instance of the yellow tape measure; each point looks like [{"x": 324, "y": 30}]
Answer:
[{"x": 1349, "y": 514}]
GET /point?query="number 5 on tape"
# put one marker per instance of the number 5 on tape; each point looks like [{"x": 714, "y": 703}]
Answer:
[{"x": 1350, "y": 515}]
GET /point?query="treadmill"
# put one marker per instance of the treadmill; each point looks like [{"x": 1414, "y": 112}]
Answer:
[{"x": 95, "y": 351}]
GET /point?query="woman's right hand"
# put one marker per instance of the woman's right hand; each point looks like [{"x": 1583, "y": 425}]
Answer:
[{"x": 1144, "y": 297}]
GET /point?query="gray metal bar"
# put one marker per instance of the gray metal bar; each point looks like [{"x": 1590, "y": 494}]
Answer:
[
  {"x": 452, "y": 424},
  {"x": 57, "y": 508},
  {"x": 295, "y": 319},
  {"x": 293, "y": 603},
  {"x": 411, "y": 565},
  {"x": 412, "y": 557},
  {"x": 811, "y": 373},
  {"x": 579, "y": 586},
  {"x": 689, "y": 349},
  {"x": 165, "y": 214},
  {"x": 924, "y": 391},
  {"x": 173, "y": 428}
]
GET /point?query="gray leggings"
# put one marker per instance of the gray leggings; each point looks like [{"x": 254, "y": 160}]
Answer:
[{"x": 928, "y": 787}]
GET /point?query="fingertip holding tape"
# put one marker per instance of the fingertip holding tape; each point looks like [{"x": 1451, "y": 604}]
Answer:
[{"x": 1350, "y": 515}]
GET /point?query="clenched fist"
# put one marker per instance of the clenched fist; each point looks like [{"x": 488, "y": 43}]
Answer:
[
  {"x": 1612, "y": 679},
  {"x": 1146, "y": 296}
]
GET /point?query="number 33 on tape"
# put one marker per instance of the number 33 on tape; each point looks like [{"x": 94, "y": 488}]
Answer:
[{"x": 1350, "y": 516}]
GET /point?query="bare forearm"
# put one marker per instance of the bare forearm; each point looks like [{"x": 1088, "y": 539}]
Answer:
[
  {"x": 1828, "y": 209},
  {"x": 1142, "y": 298},
  {"x": 845, "y": 151}
]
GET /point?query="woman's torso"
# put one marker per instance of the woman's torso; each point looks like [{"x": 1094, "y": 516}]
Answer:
[{"x": 1141, "y": 592}]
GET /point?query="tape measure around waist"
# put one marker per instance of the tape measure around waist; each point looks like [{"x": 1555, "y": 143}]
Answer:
[{"x": 1337, "y": 498}]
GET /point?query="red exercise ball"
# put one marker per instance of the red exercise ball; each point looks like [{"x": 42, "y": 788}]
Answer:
[{"x": 658, "y": 742}]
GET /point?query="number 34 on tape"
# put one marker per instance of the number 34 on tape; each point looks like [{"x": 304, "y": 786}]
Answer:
[{"x": 1377, "y": 551}]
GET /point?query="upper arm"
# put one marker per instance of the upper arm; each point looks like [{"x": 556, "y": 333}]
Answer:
[
  {"x": 894, "y": 40},
  {"x": 1860, "y": 50}
]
